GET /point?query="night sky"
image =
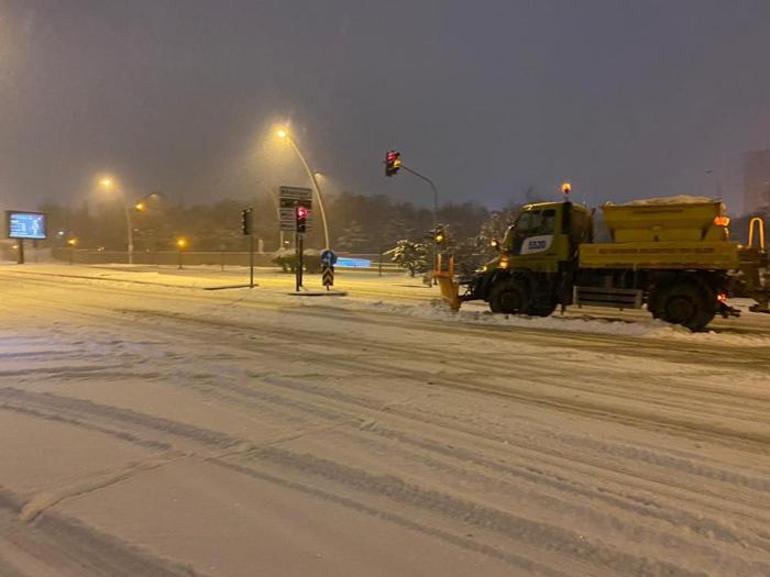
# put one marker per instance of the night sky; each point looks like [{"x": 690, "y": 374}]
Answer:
[{"x": 623, "y": 98}]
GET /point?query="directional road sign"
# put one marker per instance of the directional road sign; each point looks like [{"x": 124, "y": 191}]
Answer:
[
  {"x": 328, "y": 256},
  {"x": 291, "y": 198},
  {"x": 327, "y": 274}
]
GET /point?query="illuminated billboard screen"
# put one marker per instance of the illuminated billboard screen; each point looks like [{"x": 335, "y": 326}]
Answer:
[{"x": 26, "y": 225}]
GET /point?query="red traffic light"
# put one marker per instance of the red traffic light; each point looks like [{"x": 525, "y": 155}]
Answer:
[
  {"x": 392, "y": 162},
  {"x": 302, "y": 212}
]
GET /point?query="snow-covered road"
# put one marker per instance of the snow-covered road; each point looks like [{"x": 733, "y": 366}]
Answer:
[{"x": 150, "y": 427}]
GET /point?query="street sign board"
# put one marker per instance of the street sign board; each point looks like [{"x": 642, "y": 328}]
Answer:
[
  {"x": 292, "y": 197},
  {"x": 23, "y": 225}
]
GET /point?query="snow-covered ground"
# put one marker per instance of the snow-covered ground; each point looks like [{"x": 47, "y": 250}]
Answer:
[{"x": 152, "y": 427}]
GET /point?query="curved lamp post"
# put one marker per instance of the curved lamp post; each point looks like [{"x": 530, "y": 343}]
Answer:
[{"x": 283, "y": 134}]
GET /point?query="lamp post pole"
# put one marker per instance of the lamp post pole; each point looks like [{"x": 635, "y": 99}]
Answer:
[
  {"x": 130, "y": 227},
  {"x": 285, "y": 134}
]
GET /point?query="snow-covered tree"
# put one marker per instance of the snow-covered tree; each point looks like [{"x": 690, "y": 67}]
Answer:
[{"x": 413, "y": 256}]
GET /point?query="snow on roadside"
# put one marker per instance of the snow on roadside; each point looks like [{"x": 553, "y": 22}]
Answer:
[{"x": 651, "y": 328}]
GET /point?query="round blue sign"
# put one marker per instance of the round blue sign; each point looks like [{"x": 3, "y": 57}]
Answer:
[{"x": 328, "y": 257}]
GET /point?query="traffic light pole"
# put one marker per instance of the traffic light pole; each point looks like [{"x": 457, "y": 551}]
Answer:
[
  {"x": 433, "y": 187},
  {"x": 247, "y": 227},
  {"x": 298, "y": 243},
  {"x": 251, "y": 260},
  {"x": 435, "y": 210}
]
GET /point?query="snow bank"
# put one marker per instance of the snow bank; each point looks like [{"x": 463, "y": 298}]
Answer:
[{"x": 651, "y": 328}]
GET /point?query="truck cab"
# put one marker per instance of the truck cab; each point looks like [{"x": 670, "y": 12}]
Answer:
[{"x": 538, "y": 250}]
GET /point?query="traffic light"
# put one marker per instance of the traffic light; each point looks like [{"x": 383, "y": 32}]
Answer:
[
  {"x": 301, "y": 213},
  {"x": 246, "y": 221},
  {"x": 392, "y": 162},
  {"x": 439, "y": 235}
]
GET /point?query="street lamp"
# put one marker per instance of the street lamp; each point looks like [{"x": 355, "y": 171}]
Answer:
[
  {"x": 181, "y": 244},
  {"x": 72, "y": 243},
  {"x": 108, "y": 184},
  {"x": 284, "y": 134}
]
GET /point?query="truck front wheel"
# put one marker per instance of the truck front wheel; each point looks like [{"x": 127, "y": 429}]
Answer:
[
  {"x": 684, "y": 304},
  {"x": 509, "y": 296}
]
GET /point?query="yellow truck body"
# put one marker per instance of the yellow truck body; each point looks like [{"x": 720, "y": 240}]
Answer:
[{"x": 658, "y": 235}]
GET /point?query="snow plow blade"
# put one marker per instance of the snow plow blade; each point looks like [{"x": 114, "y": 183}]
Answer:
[{"x": 450, "y": 289}]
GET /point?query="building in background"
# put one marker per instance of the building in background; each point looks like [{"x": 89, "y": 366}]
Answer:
[{"x": 756, "y": 181}]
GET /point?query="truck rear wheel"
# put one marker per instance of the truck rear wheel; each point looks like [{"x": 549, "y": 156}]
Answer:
[
  {"x": 509, "y": 296},
  {"x": 684, "y": 303}
]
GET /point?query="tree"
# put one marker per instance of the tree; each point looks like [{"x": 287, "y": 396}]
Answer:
[{"x": 413, "y": 256}]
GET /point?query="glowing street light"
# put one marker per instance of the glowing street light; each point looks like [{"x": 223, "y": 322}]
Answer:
[
  {"x": 284, "y": 134},
  {"x": 181, "y": 244},
  {"x": 108, "y": 183},
  {"x": 72, "y": 242}
]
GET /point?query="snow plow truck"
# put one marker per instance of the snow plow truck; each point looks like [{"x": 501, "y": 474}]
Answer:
[{"x": 671, "y": 255}]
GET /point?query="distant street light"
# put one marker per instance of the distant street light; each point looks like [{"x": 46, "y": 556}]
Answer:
[
  {"x": 284, "y": 134},
  {"x": 181, "y": 244},
  {"x": 72, "y": 242},
  {"x": 108, "y": 184}
]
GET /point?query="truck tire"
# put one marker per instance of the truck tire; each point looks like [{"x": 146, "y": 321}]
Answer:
[
  {"x": 509, "y": 296},
  {"x": 542, "y": 309},
  {"x": 684, "y": 303}
]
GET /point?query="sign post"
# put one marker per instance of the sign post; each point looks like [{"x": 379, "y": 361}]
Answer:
[
  {"x": 295, "y": 205},
  {"x": 247, "y": 227},
  {"x": 328, "y": 259}
]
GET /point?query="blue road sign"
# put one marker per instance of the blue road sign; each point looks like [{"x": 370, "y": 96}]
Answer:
[{"x": 328, "y": 256}]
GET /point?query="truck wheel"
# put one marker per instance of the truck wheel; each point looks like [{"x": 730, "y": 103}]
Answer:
[
  {"x": 509, "y": 296},
  {"x": 542, "y": 309},
  {"x": 684, "y": 304}
]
